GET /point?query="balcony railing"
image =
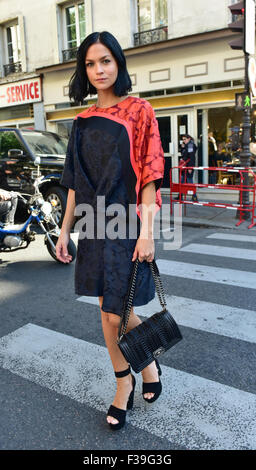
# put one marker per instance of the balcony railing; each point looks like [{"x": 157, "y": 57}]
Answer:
[
  {"x": 69, "y": 54},
  {"x": 152, "y": 35},
  {"x": 12, "y": 68}
]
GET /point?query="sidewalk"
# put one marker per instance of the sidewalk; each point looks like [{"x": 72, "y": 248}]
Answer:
[{"x": 204, "y": 216}]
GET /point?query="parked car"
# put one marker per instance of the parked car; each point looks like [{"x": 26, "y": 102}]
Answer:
[{"x": 18, "y": 169}]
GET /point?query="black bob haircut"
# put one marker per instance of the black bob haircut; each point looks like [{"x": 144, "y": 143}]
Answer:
[{"x": 79, "y": 85}]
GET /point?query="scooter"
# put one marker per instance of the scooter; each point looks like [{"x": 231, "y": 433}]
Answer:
[{"x": 19, "y": 236}]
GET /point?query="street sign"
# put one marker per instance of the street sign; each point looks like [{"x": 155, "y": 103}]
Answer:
[
  {"x": 252, "y": 75},
  {"x": 250, "y": 26}
]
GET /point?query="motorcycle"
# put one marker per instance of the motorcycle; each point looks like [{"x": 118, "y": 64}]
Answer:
[{"x": 19, "y": 236}]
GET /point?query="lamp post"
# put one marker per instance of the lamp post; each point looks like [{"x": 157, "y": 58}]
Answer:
[
  {"x": 244, "y": 24},
  {"x": 245, "y": 155}
]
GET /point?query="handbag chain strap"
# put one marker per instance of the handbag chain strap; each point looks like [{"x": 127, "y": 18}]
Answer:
[
  {"x": 128, "y": 300},
  {"x": 158, "y": 283}
]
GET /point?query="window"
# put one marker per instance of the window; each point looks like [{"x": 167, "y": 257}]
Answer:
[
  {"x": 210, "y": 86},
  {"x": 151, "y": 14},
  {"x": 64, "y": 128},
  {"x": 191, "y": 88},
  {"x": 13, "y": 43},
  {"x": 152, "y": 20},
  {"x": 45, "y": 143},
  {"x": 9, "y": 140},
  {"x": 14, "y": 113},
  {"x": 221, "y": 120},
  {"x": 233, "y": 17},
  {"x": 165, "y": 131},
  {"x": 75, "y": 24}
]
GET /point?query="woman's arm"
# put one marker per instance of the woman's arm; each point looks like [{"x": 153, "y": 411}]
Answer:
[
  {"x": 69, "y": 217},
  {"x": 145, "y": 246},
  {"x": 67, "y": 224}
]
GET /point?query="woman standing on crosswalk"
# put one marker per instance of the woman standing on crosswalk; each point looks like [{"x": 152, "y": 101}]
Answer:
[{"x": 114, "y": 156}]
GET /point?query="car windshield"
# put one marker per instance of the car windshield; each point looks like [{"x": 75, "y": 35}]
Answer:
[{"x": 45, "y": 143}]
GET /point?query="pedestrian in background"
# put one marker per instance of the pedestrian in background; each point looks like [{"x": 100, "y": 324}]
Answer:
[
  {"x": 188, "y": 155},
  {"x": 114, "y": 151}
]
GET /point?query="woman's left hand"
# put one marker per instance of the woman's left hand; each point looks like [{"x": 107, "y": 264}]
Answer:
[{"x": 144, "y": 250}]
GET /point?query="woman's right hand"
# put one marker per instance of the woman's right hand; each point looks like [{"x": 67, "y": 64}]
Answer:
[{"x": 62, "y": 248}]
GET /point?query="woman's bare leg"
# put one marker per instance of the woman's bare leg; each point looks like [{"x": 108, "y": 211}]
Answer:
[
  {"x": 150, "y": 373},
  {"x": 110, "y": 323}
]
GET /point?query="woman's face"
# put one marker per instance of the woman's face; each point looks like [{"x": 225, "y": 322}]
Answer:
[{"x": 101, "y": 67}]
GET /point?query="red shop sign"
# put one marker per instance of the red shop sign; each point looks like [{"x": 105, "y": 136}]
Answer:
[{"x": 26, "y": 91}]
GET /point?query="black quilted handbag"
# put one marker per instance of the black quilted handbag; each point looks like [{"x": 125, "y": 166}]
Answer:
[{"x": 144, "y": 343}]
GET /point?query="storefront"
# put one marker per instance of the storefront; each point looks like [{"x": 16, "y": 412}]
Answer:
[
  {"x": 210, "y": 118},
  {"x": 198, "y": 114},
  {"x": 188, "y": 97}
]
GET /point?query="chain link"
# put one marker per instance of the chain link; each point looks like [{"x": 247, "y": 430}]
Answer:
[{"x": 158, "y": 284}]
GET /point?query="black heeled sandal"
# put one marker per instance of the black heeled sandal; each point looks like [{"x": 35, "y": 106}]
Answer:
[
  {"x": 118, "y": 413},
  {"x": 153, "y": 387}
]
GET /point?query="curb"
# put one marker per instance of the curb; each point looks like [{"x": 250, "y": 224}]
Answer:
[
  {"x": 203, "y": 223},
  {"x": 209, "y": 224}
]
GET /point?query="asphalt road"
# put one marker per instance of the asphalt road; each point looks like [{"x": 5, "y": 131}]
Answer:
[{"x": 56, "y": 377}]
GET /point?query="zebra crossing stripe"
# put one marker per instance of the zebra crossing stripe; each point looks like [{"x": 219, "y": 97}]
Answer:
[
  {"x": 233, "y": 237},
  {"x": 223, "y": 320},
  {"x": 225, "y": 251},
  {"x": 195, "y": 412},
  {"x": 199, "y": 272}
]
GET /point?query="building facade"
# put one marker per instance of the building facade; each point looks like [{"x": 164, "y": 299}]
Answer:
[{"x": 177, "y": 55}]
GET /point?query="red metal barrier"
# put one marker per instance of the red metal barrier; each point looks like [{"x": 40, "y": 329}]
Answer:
[{"x": 185, "y": 189}]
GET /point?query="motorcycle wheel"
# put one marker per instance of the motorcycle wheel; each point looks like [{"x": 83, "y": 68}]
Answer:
[
  {"x": 57, "y": 197},
  {"x": 71, "y": 249}
]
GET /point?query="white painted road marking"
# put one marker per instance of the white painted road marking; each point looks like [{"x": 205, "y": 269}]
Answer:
[
  {"x": 225, "y": 251},
  {"x": 233, "y": 237},
  {"x": 199, "y": 272},
  {"x": 206, "y": 316},
  {"x": 194, "y": 412}
]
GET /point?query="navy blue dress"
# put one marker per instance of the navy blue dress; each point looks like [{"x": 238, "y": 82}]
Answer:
[{"x": 99, "y": 168}]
